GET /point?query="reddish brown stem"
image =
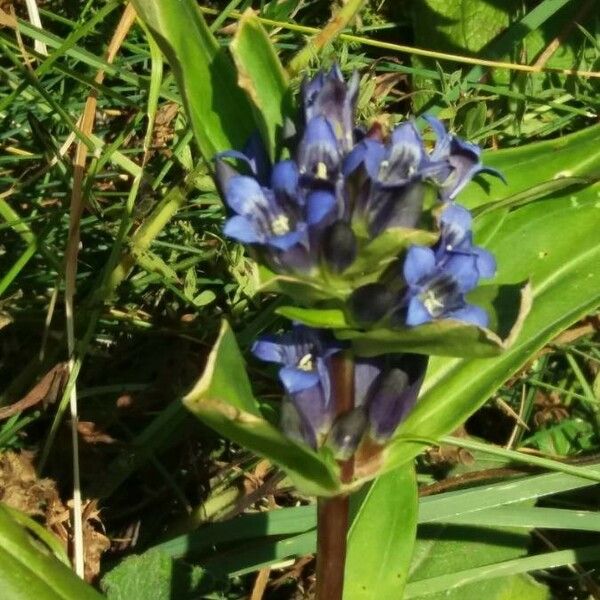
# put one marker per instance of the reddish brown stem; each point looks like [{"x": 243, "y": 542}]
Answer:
[
  {"x": 332, "y": 513},
  {"x": 332, "y": 528}
]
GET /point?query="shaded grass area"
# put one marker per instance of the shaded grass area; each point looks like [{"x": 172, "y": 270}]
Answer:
[{"x": 155, "y": 275}]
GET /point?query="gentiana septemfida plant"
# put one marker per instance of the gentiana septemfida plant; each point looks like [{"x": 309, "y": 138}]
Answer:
[{"x": 362, "y": 231}]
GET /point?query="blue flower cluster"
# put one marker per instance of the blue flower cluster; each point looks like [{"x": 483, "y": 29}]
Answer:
[
  {"x": 385, "y": 389},
  {"x": 310, "y": 217},
  {"x": 306, "y": 215}
]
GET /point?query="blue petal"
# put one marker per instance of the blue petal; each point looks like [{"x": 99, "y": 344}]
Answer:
[
  {"x": 241, "y": 229},
  {"x": 269, "y": 350},
  {"x": 318, "y": 205},
  {"x": 486, "y": 263},
  {"x": 494, "y": 172},
  {"x": 470, "y": 314},
  {"x": 418, "y": 264},
  {"x": 374, "y": 155},
  {"x": 243, "y": 194},
  {"x": 285, "y": 242},
  {"x": 354, "y": 159},
  {"x": 284, "y": 178},
  {"x": 417, "y": 314},
  {"x": 319, "y": 132},
  {"x": 457, "y": 221},
  {"x": 296, "y": 380},
  {"x": 258, "y": 158},
  {"x": 315, "y": 410},
  {"x": 407, "y": 134},
  {"x": 443, "y": 138},
  {"x": 463, "y": 269}
]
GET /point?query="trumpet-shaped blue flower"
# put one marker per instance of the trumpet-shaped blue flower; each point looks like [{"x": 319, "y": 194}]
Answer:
[
  {"x": 438, "y": 279},
  {"x": 464, "y": 159},
  {"x": 394, "y": 164},
  {"x": 388, "y": 387},
  {"x": 327, "y": 95},
  {"x": 278, "y": 218},
  {"x": 393, "y": 194},
  {"x": 305, "y": 355}
]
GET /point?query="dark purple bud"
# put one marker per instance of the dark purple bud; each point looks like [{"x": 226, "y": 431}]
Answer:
[
  {"x": 339, "y": 246},
  {"x": 394, "y": 395},
  {"x": 347, "y": 433},
  {"x": 370, "y": 303}
]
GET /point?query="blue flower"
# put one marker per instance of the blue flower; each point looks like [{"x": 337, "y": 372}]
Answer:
[
  {"x": 305, "y": 355},
  {"x": 279, "y": 218},
  {"x": 439, "y": 278},
  {"x": 464, "y": 159},
  {"x": 262, "y": 218},
  {"x": 319, "y": 153},
  {"x": 436, "y": 290},
  {"x": 385, "y": 390},
  {"x": 393, "y": 194},
  {"x": 394, "y": 164},
  {"x": 327, "y": 95}
]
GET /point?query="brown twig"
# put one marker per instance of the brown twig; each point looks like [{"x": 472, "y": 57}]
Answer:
[{"x": 44, "y": 390}]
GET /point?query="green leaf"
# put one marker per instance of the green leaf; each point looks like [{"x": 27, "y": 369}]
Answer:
[
  {"x": 445, "y": 550},
  {"x": 262, "y": 76},
  {"x": 218, "y": 110},
  {"x": 526, "y": 167},
  {"x": 28, "y": 570},
  {"x": 223, "y": 399},
  {"x": 376, "y": 255},
  {"x": 507, "y": 305},
  {"x": 155, "y": 575},
  {"x": 326, "y": 318},
  {"x": 381, "y": 537},
  {"x": 555, "y": 242}
]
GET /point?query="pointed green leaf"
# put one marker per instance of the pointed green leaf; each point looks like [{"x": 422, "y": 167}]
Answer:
[
  {"x": 223, "y": 399},
  {"x": 218, "y": 110},
  {"x": 325, "y": 318},
  {"x": 262, "y": 76},
  {"x": 576, "y": 155},
  {"x": 382, "y": 536}
]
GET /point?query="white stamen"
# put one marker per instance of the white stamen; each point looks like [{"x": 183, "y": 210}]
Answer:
[
  {"x": 280, "y": 225},
  {"x": 306, "y": 362},
  {"x": 321, "y": 171},
  {"x": 433, "y": 305}
]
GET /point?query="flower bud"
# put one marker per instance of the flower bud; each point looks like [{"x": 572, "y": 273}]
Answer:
[
  {"x": 371, "y": 303},
  {"x": 339, "y": 246},
  {"x": 347, "y": 432}
]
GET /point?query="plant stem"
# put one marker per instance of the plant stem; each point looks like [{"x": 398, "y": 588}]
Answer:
[
  {"x": 332, "y": 513},
  {"x": 332, "y": 528}
]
